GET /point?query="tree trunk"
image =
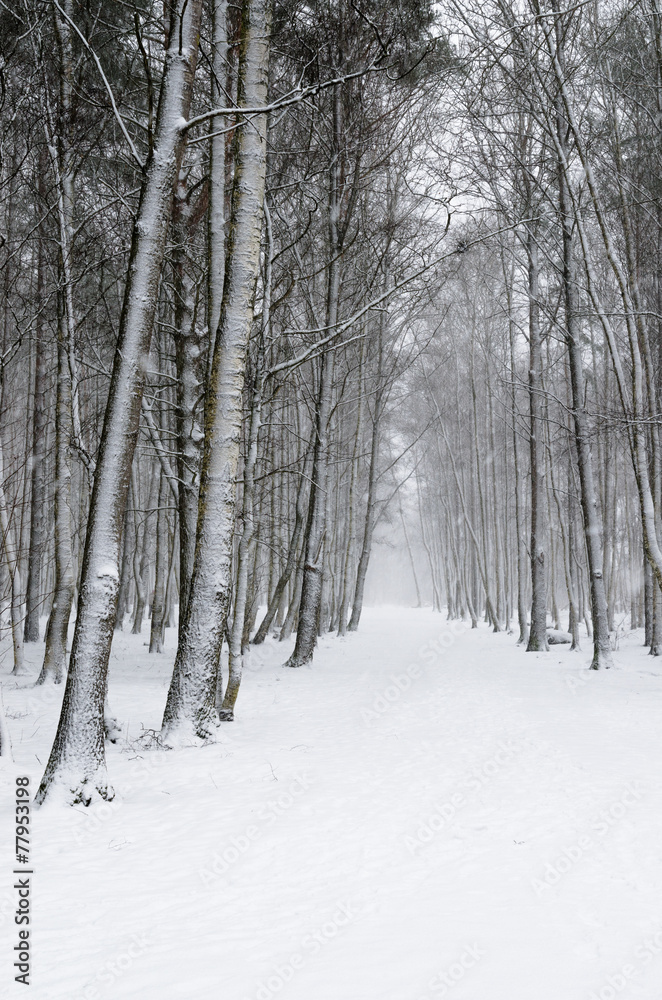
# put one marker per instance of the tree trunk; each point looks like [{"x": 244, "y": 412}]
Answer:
[
  {"x": 351, "y": 501},
  {"x": 77, "y": 760},
  {"x": 190, "y": 708},
  {"x": 33, "y": 597},
  {"x": 55, "y": 655},
  {"x": 538, "y": 633},
  {"x": 160, "y": 571},
  {"x": 292, "y": 553}
]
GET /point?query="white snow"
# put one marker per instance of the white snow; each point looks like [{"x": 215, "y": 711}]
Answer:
[
  {"x": 108, "y": 570},
  {"x": 425, "y": 812}
]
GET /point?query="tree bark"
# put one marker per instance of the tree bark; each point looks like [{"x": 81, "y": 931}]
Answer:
[
  {"x": 190, "y": 708},
  {"x": 292, "y": 553},
  {"x": 55, "y": 655},
  {"x": 160, "y": 571},
  {"x": 33, "y": 597},
  {"x": 77, "y": 760},
  {"x": 538, "y": 632}
]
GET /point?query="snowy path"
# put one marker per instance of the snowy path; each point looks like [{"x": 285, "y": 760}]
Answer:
[{"x": 493, "y": 832}]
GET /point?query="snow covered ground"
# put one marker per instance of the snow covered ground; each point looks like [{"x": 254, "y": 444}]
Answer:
[{"x": 426, "y": 812}]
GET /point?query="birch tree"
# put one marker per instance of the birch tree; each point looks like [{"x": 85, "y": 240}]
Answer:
[
  {"x": 77, "y": 760},
  {"x": 190, "y": 708}
]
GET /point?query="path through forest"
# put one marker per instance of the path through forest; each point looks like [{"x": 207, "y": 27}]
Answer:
[{"x": 427, "y": 811}]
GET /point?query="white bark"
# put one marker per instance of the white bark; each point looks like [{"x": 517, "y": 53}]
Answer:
[
  {"x": 190, "y": 709},
  {"x": 77, "y": 760}
]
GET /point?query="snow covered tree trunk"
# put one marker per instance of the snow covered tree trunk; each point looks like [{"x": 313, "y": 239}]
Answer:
[
  {"x": 292, "y": 553},
  {"x": 128, "y": 539},
  {"x": 519, "y": 526},
  {"x": 244, "y": 599},
  {"x": 589, "y": 501},
  {"x": 160, "y": 571},
  {"x": 354, "y": 475},
  {"x": 369, "y": 521},
  {"x": 55, "y": 654},
  {"x": 313, "y": 568},
  {"x": 216, "y": 216},
  {"x": 141, "y": 550},
  {"x": 292, "y": 612},
  {"x": 241, "y": 602},
  {"x": 77, "y": 760},
  {"x": 573, "y": 610},
  {"x": 189, "y": 361},
  {"x": 190, "y": 708},
  {"x": 33, "y": 596},
  {"x": 538, "y": 632},
  {"x": 11, "y": 560}
]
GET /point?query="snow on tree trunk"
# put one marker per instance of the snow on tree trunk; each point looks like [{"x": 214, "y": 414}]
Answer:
[
  {"x": 602, "y": 657},
  {"x": 537, "y": 635},
  {"x": 63, "y": 162},
  {"x": 313, "y": 569},
  {"x": 292, "y": 553},
  {"x": 189, "y": 367},
  {"x": 190, "y": 708},
  {"x": 33, "y": 597},
  {"x": 77, "y": 761},
  {"x": 11, "y": 559},
  {"x": 369, "y": 522},
  {"x": 310, "y": 604},
  {"x": 241, "y": 603},
  {"x": 216, "y": 217},
  {"x": 240, "y": 632},
  {"x": 160, "y": 570},
  {"x": 55, "y": 654}
]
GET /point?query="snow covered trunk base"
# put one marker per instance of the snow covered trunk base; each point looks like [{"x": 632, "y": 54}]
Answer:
[
  {"x": 74, "y": 787},
  {"x": 602, "y": 656},
  {"x": 190, "y": 712},
  {"x": 226, "y": 709},
  {"x": 77, "y": 760},
  {"x": 311, "y": 597}
]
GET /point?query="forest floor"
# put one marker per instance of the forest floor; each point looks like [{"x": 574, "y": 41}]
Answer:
[{"x": 425, "y": 812}]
